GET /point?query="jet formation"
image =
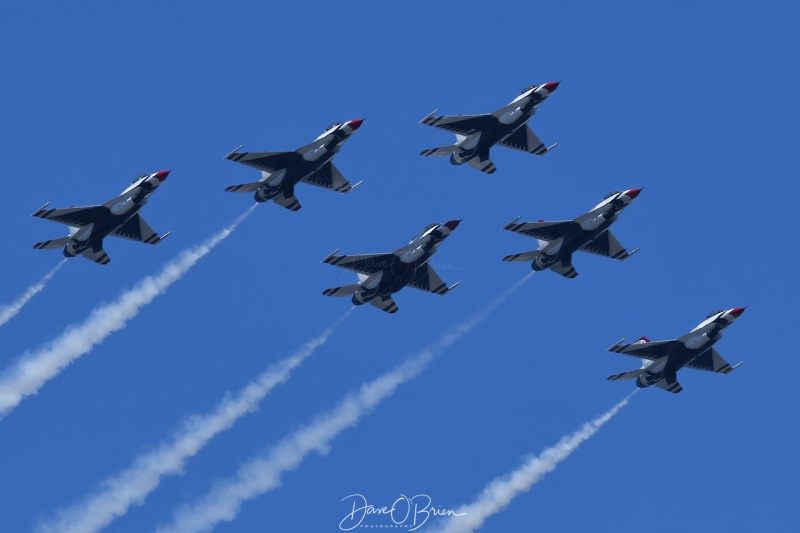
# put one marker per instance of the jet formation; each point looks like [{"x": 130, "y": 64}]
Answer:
[
  {"x": 118, "y": 217},
  {"x": 662, "y": 359},
  {"x": 311, "y": 164},
  {"x": 476, "y": 134},
  {"x": 587, "y": 233},
  {"x": 381, "y": 275}
]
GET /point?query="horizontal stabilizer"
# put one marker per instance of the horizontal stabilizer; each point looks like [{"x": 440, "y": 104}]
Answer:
[
  {"x": 633, "y": 374},
  {"x": 384, "y": 303},
  {"x": 524, "y": 256},
  {"x": 440, "y": 151},
  {"x": 245, "y": 187},
  {"x": 347, "y": 290},
  {"x": 52, "y": 244}
]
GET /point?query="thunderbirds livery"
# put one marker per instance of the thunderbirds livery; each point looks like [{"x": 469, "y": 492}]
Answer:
[
  {"x": 311, "y": 164},
  {"x": 476, "y": 134},
  {"x": 662, "y": 359},
  {"x": 381, "y": 275},
  {"x": 587, "y": 233},
  {"x": 118, "y": 217}
]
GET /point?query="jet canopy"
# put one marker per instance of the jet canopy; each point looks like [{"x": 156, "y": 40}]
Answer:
[
  {"x": 528, "y": 88},
  {"x": 609, "y": 195},
  {"x": 423, "y": 232},
  {"x": 139, "y": 177},
  {"x": 713, "y": 313},
  {"x": 334, "y": 126}
]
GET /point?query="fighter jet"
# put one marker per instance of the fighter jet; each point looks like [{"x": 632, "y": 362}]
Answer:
[
  {"x": 381, "y": 275},
  {"x": 118, "y": 217},
  {"x": 476, "y": 134},
  {"x": 311, "y": 164},
  {"x": 587, "y": 233},
  {"x": 662, "y": 359}
]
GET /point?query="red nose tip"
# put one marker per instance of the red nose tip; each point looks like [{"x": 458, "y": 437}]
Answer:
[
  {"x": 355, "y": 124},
  {"x": 736, "y": 311},
  {"x": 633, "y": 193},
  {"x": 453, "y": 224},
  {"x": 551, "y": 86},
  {"x": 161, "y": 176}
]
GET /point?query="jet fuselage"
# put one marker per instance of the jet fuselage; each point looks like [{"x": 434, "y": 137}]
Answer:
[
  {"x": 585, "y": 229},
  {"x": 688, "y": 347},
  {"x": 400, "y": 268},
  {"x": 509, "y": 119},
  {"x": 312, "y": 158},
  {"x": 114, "y": 214}
]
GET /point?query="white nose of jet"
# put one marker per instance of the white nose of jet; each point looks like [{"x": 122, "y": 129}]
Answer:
[{"x": 551, "y": 86}]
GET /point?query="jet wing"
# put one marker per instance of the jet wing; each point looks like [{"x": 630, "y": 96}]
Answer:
[
  {"x": 365, "y": 264},
  {"x": 463, "y": 124},
  {"x": 384, "y": 303},
  {"x": 76, "y": 217},
  {"x": 329, "y": 177},
  {"x": 426, "y": 279},
  {"x": 546, "y": 231},
  {"x": 608, "y": 245},
  {"x": 136, "y": 229},
  {"x": 97, "y": 254},
  {"x": 645, "y": 350},
  {"x": 268, "y": 161},
  {"x": 712, "y": 361},
  {"x": 525, "y": 140}
]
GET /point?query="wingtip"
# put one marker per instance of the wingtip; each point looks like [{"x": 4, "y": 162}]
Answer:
[
  {"x": 508, "y": 226},
  {"x": 233, "y": 152},
  {"x": 329, "y": 256},
  {"x": 35, "y": 213}
]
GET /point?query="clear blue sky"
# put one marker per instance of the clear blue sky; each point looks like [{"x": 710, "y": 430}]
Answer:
[{"x": 697, "y": 103}]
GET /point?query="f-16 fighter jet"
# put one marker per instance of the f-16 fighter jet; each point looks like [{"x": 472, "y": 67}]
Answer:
[
  {"x": 311, "y": 163},
  {"x": 118, "y": 217},
  {"x": 587, "y": 233},
  {"x": 381, "y": 275},
  {"x": 662, "y": 359},
  {"x": 476, "y": 134}
]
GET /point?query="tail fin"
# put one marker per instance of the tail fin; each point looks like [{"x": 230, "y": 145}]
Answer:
[
  {"x": 441, "y": 151},
  {"x": 52, "y": 244},
  {"x": 347, "y": 290}
]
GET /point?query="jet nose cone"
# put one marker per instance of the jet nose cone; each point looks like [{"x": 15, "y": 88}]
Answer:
[
  {"x": 736, "y": 311},
  {"x": 632, "y": 193},
  {"x": 161, "y": 176},
  {"x": 453, "y": 224},
  {"x": 355, "y": 124},
  {"x": 551, "y": 86}
]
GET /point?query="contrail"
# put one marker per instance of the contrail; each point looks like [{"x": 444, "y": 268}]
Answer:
[
  {"x": 32, "y": 370},
  {"x": 7, "y": 312},
  {"x": 499, "y": 493},
  {"x": 263, "y": 474},
  {"x": 133, "y": 485}
]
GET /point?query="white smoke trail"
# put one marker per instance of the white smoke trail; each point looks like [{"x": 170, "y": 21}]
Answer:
[
  {"x": 263, "y": 474},
  {"x": 499, "y": 493},
  {"x": 32, "y": 370},
  {"x": 133, "y": 485},
  {"x": 7, "y": 312}
]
